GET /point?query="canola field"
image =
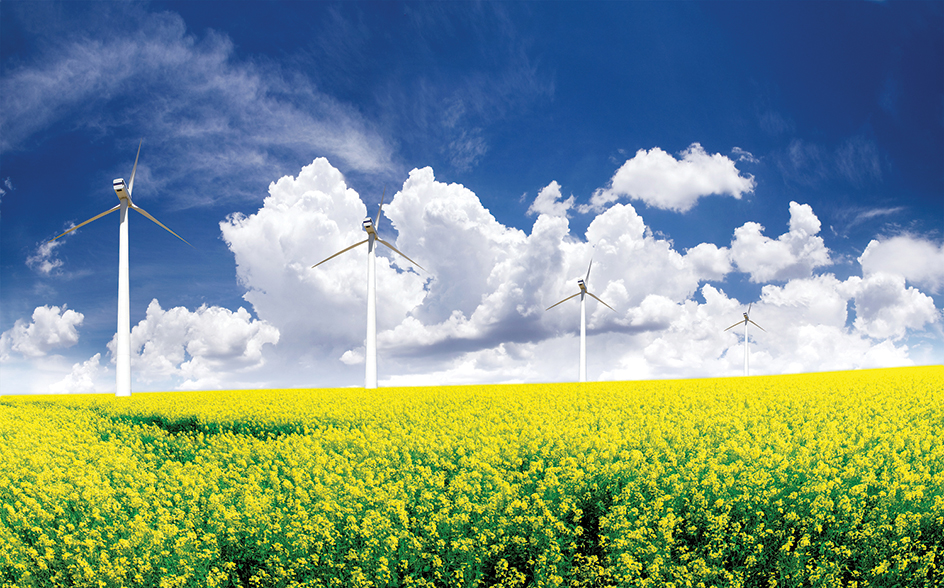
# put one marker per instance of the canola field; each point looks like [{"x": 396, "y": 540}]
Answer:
[{"x": 832, "y": 479}]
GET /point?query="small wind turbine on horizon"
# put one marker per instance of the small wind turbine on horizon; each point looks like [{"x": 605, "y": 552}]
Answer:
[
  {"x": 583, "y": 293},
  {"x": 747, "y": 319},
  {"x": 370, "y": 344},
  {"x": 123, "y": 336}
]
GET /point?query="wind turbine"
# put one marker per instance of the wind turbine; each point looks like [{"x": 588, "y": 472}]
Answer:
[
  {"x": 123, "y": 350},
  {"x": 370, "y": 377},
  {"x": 583, "y": 293},
  {"x": 747, "y": 319}
]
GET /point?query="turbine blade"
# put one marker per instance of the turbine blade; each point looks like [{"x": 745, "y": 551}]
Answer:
[
  {"x": 749, "y": 308},
  {"x": 734, "y": 325},
  {"x": 134, "y": 169},
  {"x": 379, "y": 240},
  {"x": 96, "y": 217},
  {"x": 601, "y": 302},
  {"x": 339, "y": 253},
  {"x": 159, "y": 223},
  {"x": 561, "y": 302},
  {"x": 587, "y": 279},
  {"x": 758, "y": 326},
  {"x": 379, "y": 210}
]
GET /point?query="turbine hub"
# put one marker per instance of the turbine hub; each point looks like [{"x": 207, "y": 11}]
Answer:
[{"x": 120, "y": 188}]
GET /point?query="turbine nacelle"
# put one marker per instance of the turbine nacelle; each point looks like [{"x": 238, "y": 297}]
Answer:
[
  {"x": 583, "y": 290},
  {"x": 369, "y": 226},
  {"x": 124, "y": 193},
  {"x": 746, "y": 319},
  {"x": 121, "y": 189}
]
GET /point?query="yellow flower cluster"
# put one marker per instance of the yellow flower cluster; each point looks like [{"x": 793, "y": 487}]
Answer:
[{"x": 830, "y": 479}]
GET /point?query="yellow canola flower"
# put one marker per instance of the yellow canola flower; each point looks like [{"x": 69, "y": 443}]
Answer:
[{"x": 783, "y": 480}]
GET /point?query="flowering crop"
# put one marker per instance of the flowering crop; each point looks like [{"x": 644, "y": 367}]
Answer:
[{"x": 830, "y": 479}]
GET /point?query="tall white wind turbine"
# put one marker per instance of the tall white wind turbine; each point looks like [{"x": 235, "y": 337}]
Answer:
[
  {"x": 747, "y": 319},
  {"x": 583, "y": 293},
  {"x": 123, "y": 350},
  {"x": 370, "y": 344}
]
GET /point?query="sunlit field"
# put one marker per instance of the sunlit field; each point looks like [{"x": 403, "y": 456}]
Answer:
[{"x": 832, "y": 479}]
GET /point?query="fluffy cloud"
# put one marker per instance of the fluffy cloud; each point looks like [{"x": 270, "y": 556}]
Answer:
[
  {"x": 469, "y": 255},
  {"x": 886, "y": 308},
  {"x": 304, "y": 220},
  {"x": 804, "y": 326},
  {"x": 919, "y": 261},
  {"x": 551, "y": 202},
  {"x": 792, "y": 255},
  {"x": 807, "y": 324},
  {"x": 51, "y": 328},
  {"x": 478, "y": 314},
  {"x": 660, "y": 180},
  {"x": 204, "y": 347},
  {"x": 85, "y": 378},
  {"x": 709, "y": 261},
  {"x": 502, "y": 295}
]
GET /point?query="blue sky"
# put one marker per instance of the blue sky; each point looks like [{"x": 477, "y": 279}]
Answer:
[{"x": 707, "y": 156}]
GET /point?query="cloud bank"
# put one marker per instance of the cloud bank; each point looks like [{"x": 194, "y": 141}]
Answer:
[
  {"x": 478, "y": 314},
  {"x": 204, "y": 348}
]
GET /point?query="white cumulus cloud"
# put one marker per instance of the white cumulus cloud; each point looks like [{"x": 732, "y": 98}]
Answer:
[
  {"x": 478, "y": 314},
  {"x": 304, "y": 220},
  {"x": 918, "y": 260},
  {"x": 206, "y": 348},
  {"x": 662, "y": 181},
  {"x": 85, "y": 378},
  {"x": 792, "y": 255},
  {"x": 51, "y": 328},
  {"x": 886, "y": 308},
  {"x": 550, "y": 201}
]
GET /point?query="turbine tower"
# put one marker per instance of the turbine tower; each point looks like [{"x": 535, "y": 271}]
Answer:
[
  {"x": 747, "y": 319},
  {"x": 123, "y": 336},
  {"x": 370, "y": 359},
  {"x": 583, "y": 293}
]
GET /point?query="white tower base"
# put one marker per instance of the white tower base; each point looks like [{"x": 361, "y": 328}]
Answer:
[
  {"x": 123, "y": 337},
  {"x": 746, "y": 350},
  {"x": 370, "y": 351},
  {"x": 583, "y": 337}
]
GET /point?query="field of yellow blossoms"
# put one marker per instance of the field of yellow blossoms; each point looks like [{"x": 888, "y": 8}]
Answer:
[{"x": 832, "y": 479}]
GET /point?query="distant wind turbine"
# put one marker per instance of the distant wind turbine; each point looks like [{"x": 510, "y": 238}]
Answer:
[
  {"x": 747, "y": 319},
  {"x": 370, "y": 377},
  {"x": 583, "y": 293},
  {"x": 123, "y": 350}
]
